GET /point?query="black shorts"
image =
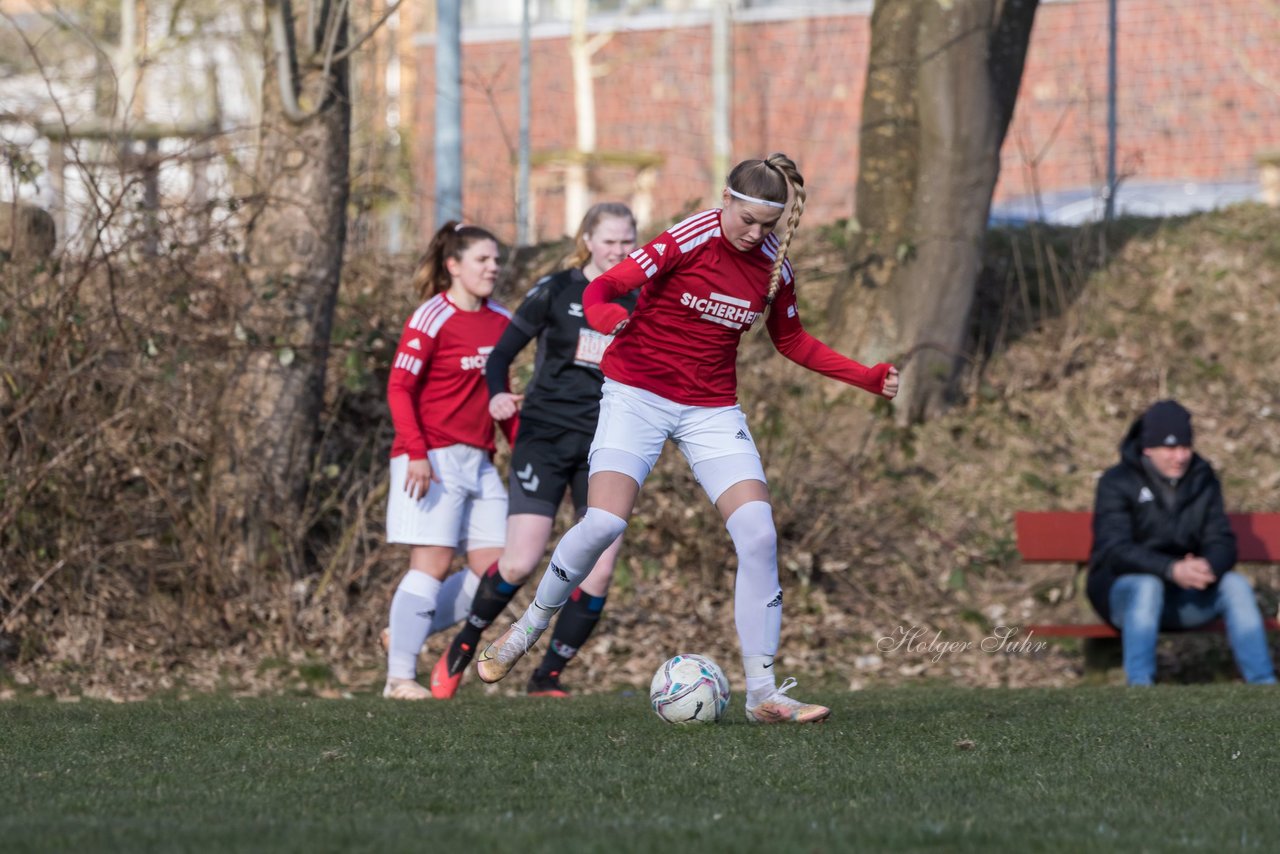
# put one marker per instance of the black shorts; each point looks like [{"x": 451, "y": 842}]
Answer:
[{"x": 545, "y": 462}]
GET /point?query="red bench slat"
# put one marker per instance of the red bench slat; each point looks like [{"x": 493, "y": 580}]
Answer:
[{"x": 1065, "y": 536}]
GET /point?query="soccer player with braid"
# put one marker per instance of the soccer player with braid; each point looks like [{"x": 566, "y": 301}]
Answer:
[
  {"x": 558, "y": 413},
  {"x": 444, "y": 487},
  {"x": 671, "y": 374}
]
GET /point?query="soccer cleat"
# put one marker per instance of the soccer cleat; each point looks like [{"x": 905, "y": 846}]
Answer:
[
  {"x": 779, "y": 708},
  {"x": 405, "y": 689},
  {"x": 545, "y": 685},
  {"x": 497, "y": 659},
  {"x": 445, "y": 680}
]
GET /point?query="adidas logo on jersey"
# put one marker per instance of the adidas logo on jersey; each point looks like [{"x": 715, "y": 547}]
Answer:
[
  {"x": 1144, "y": 495},
  {"x": 415, "y": 344},
  {"x": 742, "y": 434},
  {"x": 660, "y": 248}
]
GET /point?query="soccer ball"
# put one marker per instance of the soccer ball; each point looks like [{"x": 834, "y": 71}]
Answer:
[{"x": 689, "y": 689}]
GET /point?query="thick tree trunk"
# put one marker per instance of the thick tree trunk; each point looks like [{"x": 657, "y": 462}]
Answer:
[
  {"x": 294, "y": 253},
  {"x": 942, "y": 81}
]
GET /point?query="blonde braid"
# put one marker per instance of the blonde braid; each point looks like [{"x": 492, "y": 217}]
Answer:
[{"x": 795, "y": 181}]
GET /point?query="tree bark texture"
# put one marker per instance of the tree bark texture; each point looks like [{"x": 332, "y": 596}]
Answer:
[
  {"x": 942, "y": 80},
  {"x": 294, "y": 248}
]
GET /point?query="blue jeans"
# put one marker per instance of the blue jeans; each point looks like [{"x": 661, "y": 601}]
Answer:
[{"x": 1142, "y": 604}]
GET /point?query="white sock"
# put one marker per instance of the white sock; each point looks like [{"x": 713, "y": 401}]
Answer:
[
  {"x": 538, "y": 616},
  {"x": 412, "y": 609},
  {"x": 575, "y": 555},
  {"x": 453, "y": 603},
  {"x": 757, "y": 598}
]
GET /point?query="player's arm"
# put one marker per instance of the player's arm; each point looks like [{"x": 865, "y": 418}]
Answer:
[
  {"x": 526, "y": 323},
  {"x": 408, "y": 372},
  {"x": 635, "y": 271},
  {"x": 1218, "y": 541},
  {"x": 792, "y": 341}
]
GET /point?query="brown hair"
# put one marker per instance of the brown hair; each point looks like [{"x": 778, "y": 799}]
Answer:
[
  {"x": 770, "y": 179},
  {"x": 431, "y": 276},
  {"x": 581, "y": 254}
]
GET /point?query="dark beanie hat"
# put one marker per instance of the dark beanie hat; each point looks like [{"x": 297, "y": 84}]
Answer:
[{"x": 1166, "y": 423}]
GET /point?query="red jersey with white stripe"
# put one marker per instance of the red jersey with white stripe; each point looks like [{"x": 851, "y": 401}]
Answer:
[
  {"x": 436, "y": 391},
  {"x": 700, "y": 294}
]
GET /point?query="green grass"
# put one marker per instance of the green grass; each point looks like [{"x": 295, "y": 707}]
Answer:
[{"x": 1170, "y": 768}]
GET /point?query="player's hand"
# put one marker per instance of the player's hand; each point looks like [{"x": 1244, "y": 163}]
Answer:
[
  {"x": 505, "y": 405},
  {"x": 1192, "y": 573},
  {"x": 608, "y": 317},
  {"x": 418, "y": 479},
  {"x": 890, "y": 389}
]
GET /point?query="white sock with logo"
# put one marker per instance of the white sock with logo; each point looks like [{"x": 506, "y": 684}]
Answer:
[
  {"x": 760, "y": 679},
  {"x": 453, "y": 603},
  {"x": 757, "y": 598},
  {"x": 412, "y": 610},
  {"x": 576, "y": 554}
]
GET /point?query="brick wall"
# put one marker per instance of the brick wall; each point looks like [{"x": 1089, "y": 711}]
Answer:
[{"x": 1199, "y": 98}]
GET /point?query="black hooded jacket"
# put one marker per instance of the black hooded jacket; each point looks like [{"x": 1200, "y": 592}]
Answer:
[{"x": 1137, "y": 529}]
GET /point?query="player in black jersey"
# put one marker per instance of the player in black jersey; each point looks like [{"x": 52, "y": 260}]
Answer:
[{"x": 558, "y": 413}]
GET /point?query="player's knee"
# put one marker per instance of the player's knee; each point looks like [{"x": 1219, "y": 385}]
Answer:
[
  {"x": 601, "y": 527},
  {"x": 752, "y": 530}
]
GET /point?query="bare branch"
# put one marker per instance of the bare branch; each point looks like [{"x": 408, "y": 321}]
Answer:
[
  {"x": 280, "y": 41},
  {"x": 369, "y": 33}
]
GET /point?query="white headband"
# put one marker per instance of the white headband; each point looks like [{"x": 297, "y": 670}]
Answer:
[{"x": 753, "y": 199}]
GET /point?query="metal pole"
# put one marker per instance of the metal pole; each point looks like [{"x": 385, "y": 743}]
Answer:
[
  {"x": 1111, "y": 111},
  {"x": 448, "y": 159},
  {"x": 721, "y": 93},
  {"x": 524, "y": 227}
]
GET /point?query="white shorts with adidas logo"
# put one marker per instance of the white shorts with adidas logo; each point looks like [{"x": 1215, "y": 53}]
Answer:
[{"x": 635, "y": 424}]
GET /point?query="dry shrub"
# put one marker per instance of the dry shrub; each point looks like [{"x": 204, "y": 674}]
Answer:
[{"x": 113, "y": 366}]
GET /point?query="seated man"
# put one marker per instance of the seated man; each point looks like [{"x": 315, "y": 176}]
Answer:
[{"x": 1163, "y": 549}]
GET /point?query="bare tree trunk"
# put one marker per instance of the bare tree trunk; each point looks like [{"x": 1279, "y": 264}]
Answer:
[
  {"x": 941, "y": 85},
  {"x": 577, "y": 181},
  {"x": 294, "y": 259}
]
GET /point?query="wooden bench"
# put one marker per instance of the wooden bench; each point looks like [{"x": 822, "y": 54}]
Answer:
[{"x": 1061, "y": 536}]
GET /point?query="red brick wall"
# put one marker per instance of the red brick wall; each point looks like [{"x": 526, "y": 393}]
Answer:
[{"x": 1199, "y": 98}]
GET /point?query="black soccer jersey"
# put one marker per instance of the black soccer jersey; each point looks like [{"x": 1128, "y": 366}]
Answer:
[{"x": 565, "y": 388}]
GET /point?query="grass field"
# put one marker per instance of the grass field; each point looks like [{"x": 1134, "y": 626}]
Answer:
[{"x": 1170, "y": 768}]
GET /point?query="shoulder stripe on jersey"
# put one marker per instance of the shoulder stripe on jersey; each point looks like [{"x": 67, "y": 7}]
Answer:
[
  {"x": 646, "y": 263},
  {"x": 498, "y": 308},
  {"x": 432, "y": 316},
  {"x": 698, "y": 221},
  {"x": 770, "y": 249},
  {"x": 699, "y": 239},
  {"x": 432, "y": 304},
  {"x": 427, "y": 312}
]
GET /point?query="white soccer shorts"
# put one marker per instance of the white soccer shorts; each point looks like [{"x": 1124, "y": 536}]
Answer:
[
  {"x": 714, "y": 439},
  {"x": 467, "y": 509}
]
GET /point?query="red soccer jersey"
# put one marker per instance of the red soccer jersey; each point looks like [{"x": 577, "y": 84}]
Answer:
[
  {"x": 699, "y": 296},
  {"x": 436, "y": 391}
]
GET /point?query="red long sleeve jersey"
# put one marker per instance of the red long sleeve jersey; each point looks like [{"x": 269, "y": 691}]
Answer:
[
  {"x": 436, "y": 391},
  {"x": 700, "y": 294}
]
